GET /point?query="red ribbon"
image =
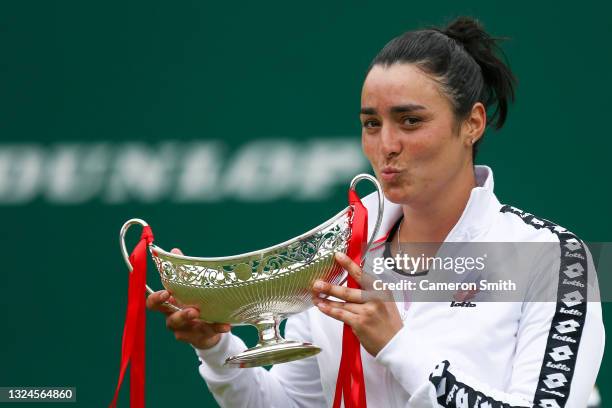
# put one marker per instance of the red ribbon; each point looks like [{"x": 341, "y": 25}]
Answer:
[
  {"x": 133, "y": 343},
  {"x": 350, "y": 382}
]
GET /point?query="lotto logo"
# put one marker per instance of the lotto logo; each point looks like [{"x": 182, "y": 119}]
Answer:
[
  {"x": 573, "y": 271},
  {"x": 572, "y": 299},
  {"x": 561, "y": 353},
  {"x": 567, "y": 326},
  {"x": 555, "y": 380},
  {"x": 549, "y": 403},
  {"x": 572, "y": 244}
]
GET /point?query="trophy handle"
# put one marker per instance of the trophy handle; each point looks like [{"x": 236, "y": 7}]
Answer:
[
  {"x": 381, "y": 203},
  {"x": 126, "y": 256}
]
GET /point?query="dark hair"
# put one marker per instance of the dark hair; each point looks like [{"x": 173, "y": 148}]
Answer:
[{"x": 463, "y": 58}]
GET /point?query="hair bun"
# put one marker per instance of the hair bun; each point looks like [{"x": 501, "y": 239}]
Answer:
[
  {"x": 470, "y": 33},
  {"x": 485, "y": 50}
]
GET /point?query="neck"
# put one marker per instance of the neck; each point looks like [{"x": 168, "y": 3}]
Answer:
[{"x": 432, "y": 221}]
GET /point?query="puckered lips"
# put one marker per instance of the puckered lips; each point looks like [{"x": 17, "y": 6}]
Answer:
[{"x": 389, "y": 173}]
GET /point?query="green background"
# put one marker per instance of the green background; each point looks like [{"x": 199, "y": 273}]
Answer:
[{"x": 153, "y": 71}]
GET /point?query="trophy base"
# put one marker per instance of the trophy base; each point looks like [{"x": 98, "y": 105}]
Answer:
[{"x": 276, "y": 353}]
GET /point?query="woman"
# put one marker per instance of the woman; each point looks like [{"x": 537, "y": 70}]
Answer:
[{"x": 426, "y": 101}]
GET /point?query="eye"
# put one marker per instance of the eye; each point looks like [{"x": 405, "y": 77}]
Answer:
[
  {"x": 370, "y": 123},
  {"x": 410, "y": 120}
]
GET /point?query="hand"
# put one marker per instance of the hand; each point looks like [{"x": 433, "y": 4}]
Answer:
[
  {"x": 373, "y": 317},
  {"x": 185, "y": 324}
]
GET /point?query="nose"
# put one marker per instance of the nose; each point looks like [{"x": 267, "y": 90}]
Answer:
[{"x": 390, "y": 141}]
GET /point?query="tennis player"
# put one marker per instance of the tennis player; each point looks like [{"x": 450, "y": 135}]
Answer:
[{"x": 426, "y": 101}]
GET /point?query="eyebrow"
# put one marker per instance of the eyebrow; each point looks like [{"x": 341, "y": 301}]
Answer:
[{"x": 411, "y": 107}]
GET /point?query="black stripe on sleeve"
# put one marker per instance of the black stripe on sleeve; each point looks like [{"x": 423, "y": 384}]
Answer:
[
  {"x": 453, "y": 393},
  {"x": 559, "y": 358}
]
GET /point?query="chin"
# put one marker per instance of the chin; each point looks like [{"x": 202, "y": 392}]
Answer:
[{"x": 397, "y": 194}]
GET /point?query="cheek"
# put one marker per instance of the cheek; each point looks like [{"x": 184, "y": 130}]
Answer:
[
  {"x": 433, "y": 141},
  {"x": 420, "y": 148},
  {"x": 423, "y": 146},
  {"x": 368, "y": 146}
]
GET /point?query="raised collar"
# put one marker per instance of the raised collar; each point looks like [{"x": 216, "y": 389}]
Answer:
[{"x": 475, "y": 219}]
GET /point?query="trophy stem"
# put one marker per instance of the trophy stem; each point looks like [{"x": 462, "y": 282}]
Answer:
[
  {"x": 272, "y": 348},
  {"x": 269, "y": 331}
]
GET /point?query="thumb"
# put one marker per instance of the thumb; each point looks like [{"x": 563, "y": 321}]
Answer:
[{"x": 176, "y": 251}]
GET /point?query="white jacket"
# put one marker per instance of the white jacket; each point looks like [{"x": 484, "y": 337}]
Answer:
[{"x": 494, "y": 355}]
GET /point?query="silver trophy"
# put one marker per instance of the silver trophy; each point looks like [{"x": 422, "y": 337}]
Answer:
[{"x": 260, "y": 288}]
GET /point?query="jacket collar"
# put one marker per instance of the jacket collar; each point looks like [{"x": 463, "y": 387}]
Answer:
[{"x": 474, "y": 221}]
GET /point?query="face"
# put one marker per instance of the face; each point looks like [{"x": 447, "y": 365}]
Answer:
[{"x": 410, "y": 134}]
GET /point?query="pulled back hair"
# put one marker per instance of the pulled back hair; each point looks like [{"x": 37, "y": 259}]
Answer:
[{"x": 465, "y": 60}]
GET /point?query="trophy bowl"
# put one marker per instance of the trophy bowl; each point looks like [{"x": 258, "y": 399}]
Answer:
[{"x": 259, "y": 288}]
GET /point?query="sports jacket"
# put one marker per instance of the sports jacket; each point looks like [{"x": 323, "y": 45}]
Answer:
[{"x": 498, "y": 354}]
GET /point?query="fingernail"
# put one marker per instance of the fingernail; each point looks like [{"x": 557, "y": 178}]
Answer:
[
  {"x": 319, "y": 285},
  {"x": 193, "y": 314},
  {"x": 341, "y": 256},
  {"x": 164, "y": 295}
]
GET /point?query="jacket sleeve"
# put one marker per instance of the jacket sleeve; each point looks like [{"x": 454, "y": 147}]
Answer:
[
  {"x": 293, "y": 384},
  {"x": 559, "y": 348}
]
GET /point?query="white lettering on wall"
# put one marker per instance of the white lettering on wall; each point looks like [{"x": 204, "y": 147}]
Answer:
[{"x": 198, "y": 171}]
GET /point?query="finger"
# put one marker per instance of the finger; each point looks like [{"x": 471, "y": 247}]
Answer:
[
  {"x": 339, "y": 314},
  {"x": 176, "y": 251},
  {"x": 351, "y": 267},
  {"x": 156, "y": 299},
  {"x": 341, "y": 292},
  {"x": 181, "y": 319},
  {"x": 195, "y": 331},
  {"x": 208, "y": 329},
  {"x": 351, "y": 307},
  {"x": 367, "y": 281},
  {"x": 463, "y": 295},
  {"x": 221, "y": 327}
]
